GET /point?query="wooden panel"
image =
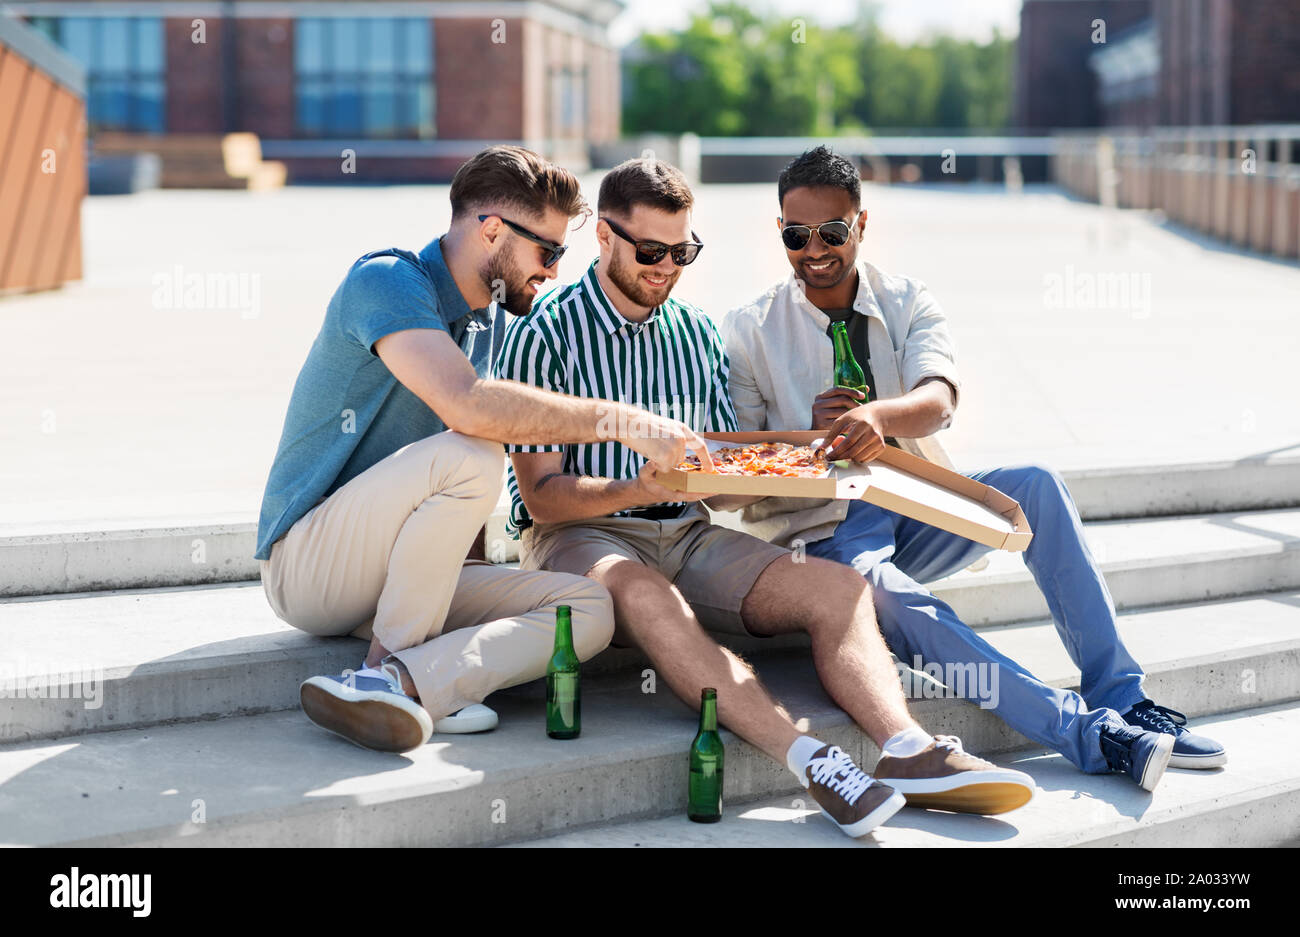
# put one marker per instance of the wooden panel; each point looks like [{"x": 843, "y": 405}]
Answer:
[
  {"x": 42, "y": 188},
  {"x": 13, "y": 76},
  {"x": 64, "y": 136},
  {"x": 60, "y": 236},
  {"x": 40, "y": 212},
  {"x": 20, "y": 168}
]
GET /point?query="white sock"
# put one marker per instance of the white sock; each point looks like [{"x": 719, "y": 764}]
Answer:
[
  {"x": 800, "y": 753},
  {"x": 907, "y": 743}
]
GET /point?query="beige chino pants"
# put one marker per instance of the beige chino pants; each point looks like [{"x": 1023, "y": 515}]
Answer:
[{"x": 385, "y": 555}]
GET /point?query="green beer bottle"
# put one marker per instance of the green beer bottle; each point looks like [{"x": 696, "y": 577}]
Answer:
[
  {"x": 704, "y": 792},
  {"x": 847, "y": 371},
  {"x": 563, "y": 692}
]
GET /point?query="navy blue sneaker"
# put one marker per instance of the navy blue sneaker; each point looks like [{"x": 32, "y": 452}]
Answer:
[
  {"x": 372, "y": 712},
  {"x": 1190, "y": 750},
  {"x": 1141, "y": 755}
]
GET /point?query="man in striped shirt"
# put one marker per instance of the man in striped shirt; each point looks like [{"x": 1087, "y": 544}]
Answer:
[
  {"x": 390, "y": 462},
  {"x": 597, "y": 510}
]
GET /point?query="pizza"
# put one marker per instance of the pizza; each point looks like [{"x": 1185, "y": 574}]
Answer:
[{"x": 780, "y": 459}]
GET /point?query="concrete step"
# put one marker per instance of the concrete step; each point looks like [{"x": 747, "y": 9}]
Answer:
[
  {"x": 52, "y": 559},
  {"x": 1147, "y": 562},
  {"x": 145, "y": 552},
  {"x": 1253, "y": 801},
  {"x": 107, "y": 660},
  {"x": 1264, "y": 483},
  {"x": 99, "y": 661},
  {"x": 276, "y": 779}
]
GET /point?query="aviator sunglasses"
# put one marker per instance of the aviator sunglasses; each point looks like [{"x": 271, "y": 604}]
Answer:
[
  {"x": 832, "y": 233},
  {"x": 554, "y": 251},
  {"x": 649, "y": 253}
]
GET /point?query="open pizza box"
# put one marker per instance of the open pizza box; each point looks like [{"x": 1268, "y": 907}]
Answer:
[{"x": 895, "y": 480}]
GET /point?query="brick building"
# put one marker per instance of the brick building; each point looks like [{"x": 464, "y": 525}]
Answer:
[
  {"x": 1054, "y": 85},
  {"x": 1163, "y": 62},
  {"x": 411, "y": 87}
]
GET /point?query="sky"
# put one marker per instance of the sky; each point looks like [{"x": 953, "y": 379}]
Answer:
[{"x": 906, "y": 20}]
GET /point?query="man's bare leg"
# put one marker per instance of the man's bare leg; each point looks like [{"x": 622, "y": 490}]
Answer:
[
  {"x": 832, "y": 603},
  {"x": 653, "y": 614}
]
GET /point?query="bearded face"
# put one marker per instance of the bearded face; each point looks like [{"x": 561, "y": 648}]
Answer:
[
  {"x": 502, "y": 272},
  {"x": 645, "y": 286}
]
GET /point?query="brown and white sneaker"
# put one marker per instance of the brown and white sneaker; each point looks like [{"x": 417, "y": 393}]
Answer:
[
  {"x": 944, "y": 777},
  {"x": 847, "y": 795}
]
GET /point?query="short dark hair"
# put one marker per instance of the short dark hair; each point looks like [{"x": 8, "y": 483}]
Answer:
[
  {"x": 512, "y": 177},
  {"x": 644, "y": 182},
  {"x": 820, "y": 167}
]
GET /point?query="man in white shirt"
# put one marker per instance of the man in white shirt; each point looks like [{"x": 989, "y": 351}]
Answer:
[{"x": 781, "y": 379}]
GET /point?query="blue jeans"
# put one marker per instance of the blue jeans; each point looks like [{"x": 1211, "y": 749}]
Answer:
[{"x": 895, "y": 554}]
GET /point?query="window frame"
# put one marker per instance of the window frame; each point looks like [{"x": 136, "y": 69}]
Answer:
[{"x": 407, "y": 87}]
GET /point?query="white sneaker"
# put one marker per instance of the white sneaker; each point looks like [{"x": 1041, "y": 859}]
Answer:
[{"x": 473, "y": 718}]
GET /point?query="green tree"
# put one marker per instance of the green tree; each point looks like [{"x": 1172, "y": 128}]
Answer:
[{"x": 732, "y": 72}]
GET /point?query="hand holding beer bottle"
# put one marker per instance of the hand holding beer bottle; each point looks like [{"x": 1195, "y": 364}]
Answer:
[
  {"x": 848, "y": 373},
  {"x": 848, "y": 384}
]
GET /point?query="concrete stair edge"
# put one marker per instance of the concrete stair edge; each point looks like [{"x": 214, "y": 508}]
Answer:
[
  {"x": 143, "y": 552},
  {"x": 261, "y": 672},
  {"x": 48, "y": 563},
  {"x": 1253, "y": 802}
]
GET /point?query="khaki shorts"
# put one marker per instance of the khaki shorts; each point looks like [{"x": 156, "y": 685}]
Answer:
[{"x": 713, "y": 567}]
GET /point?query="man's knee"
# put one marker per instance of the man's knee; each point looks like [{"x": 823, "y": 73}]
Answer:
[
  {"x": 478, "y": 461},
  {"x": 591, "y": 609},
  {"x": 1036, "y": 476},
  {"x": 644, "y": 600},
  {"x": 836, "y": 595}
]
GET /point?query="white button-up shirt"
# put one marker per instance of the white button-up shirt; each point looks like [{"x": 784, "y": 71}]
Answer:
[{"x": 782, "y": 358}]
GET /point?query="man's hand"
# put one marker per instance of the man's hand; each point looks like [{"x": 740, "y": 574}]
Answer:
[
  {"x": 831, "y": 404},
  {"x": 863, "y": 435},
  {"x": 665, "y": 443},
  {"x": 647, "y": 490}
]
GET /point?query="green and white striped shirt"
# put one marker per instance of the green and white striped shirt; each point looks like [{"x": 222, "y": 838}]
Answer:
[{"x": 575, "y": 342}]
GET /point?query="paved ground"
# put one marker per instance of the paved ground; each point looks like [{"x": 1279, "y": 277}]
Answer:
[{"x": 1084, "y": 340}]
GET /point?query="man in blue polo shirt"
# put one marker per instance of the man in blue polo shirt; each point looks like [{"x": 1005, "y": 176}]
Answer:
[{"x": 391, "y": 461}]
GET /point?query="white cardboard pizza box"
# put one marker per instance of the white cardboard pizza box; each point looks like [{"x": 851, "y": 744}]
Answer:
[{"x": 895, "y": 480}]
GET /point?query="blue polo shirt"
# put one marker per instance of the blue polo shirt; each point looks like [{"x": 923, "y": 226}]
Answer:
[{"x": 347, "y": 410}]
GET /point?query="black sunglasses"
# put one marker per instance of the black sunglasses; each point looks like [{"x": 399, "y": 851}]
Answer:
[
  {"x": 649, "y": 253},
  {"x": 832, "y": 233},
  {"x": 554, "y": 251}
]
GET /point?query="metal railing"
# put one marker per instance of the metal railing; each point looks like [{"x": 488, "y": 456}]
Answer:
[{"x": 1238, "y": 184}]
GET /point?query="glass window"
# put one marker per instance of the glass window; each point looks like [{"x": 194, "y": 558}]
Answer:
[
  {"x": 346, "y": 38},
  {"x": 125, "y": 62},
  {"x": 418, "y": 48},
  {"x": 310, "y": 118},
  {"x": 308, "y": 46},
  {"x": 368, "y": 77},
  {"x": 382, "y": 46},
  {"x": 149, "y": 45},
  {"x": 568, "y": 102},
  {"x": 114, "y": 45},
  {"x": 77, "y": 35}
]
